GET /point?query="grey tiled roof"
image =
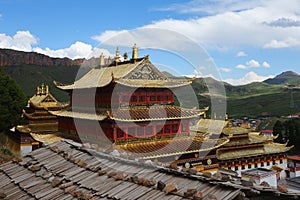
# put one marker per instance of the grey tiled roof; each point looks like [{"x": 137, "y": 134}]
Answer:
[
  {"x": 63, "y": 171},
  {"x": 66, "y": 170}
]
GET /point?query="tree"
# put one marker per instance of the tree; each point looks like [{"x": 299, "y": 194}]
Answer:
[
  {"x": 12, "y": 101},
  {"x": 277, "y": 130}
]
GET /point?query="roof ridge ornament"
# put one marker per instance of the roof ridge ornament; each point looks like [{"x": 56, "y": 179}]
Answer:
[
  {"x": 135, "y": 52},
  {"x": 117, "y": 57},
  {"x": 101, "y": 60}
]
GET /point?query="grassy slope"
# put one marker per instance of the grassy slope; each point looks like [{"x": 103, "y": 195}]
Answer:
[
  {"x": 31, "y": 76},
  {"x": 255, "y": 98}
]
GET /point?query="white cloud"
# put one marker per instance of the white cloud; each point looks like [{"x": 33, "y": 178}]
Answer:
[
  {"x": 241, "y": 54},
  {"x": 25, "y": 41},
  {"x": 266, "y": 64},
  {"x": 289, "y": 42},
  {"x": 248, "y": 78},
  {"x": 22, "y": 40},
  {"x": 241, "y": 25},
  {"x": 253, "y": 64},
  {"x": 76, "y": 50},
  {"x": 211, "y": 6},
  {"x": 223, "y": 69}
]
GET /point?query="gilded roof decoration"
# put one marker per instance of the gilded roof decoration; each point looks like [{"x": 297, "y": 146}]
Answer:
[
  {"x": 254, "y": 150},
  {"x": 141, "y": 73}
]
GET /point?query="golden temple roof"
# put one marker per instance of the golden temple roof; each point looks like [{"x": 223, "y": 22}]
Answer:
[
  {"x": 228, "y": 153},
  {"x": 38, "y": 116},
  {"x": 43, "y": 98},
  {"x": 209, "y": 126},
  {"x": 161, "y": 112},
  {"x": 79, "y": 115},
  {"x": 132, "y": 114},
  {"x": 235, "y": 130},
  {"x": 138, "y": 73},
  {"x": 170, "y": 83},
  {"x": 172, "y": 147}
]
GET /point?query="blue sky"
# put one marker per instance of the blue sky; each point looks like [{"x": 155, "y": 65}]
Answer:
[{"x": 247, "y": 40}]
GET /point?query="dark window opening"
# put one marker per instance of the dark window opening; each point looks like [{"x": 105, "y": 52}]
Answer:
[
  {"x": 167, "y": 129},
  {"x": 131, "y": 132},
  {"x": 159, "y": 129},
  {"x": 149, "y": 130},
  {"x": 133, "y": 99},
  {"x": 140, "y": 131},
  {"x": 120, "y": 133},
  {"x": 175, "y": 128}
]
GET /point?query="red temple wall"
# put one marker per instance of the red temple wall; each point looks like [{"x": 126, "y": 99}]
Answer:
[
  {"x": 123, "y": 131},
  {"x": 106, "y": 96}
]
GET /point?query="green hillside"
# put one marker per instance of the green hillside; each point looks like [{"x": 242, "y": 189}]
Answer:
[
  {"x": 30, "y": 76},
  {"x": 254, "y": 99}
]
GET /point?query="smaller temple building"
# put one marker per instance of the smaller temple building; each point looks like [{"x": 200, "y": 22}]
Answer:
[
  {"x": 294, "y": 166},
  {"x": 36, "y": 113},
  {"x": 248, "y": 150}
]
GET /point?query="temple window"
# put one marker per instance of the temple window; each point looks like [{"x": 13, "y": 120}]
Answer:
[
  {"x": 149, "y": 130},
  {"x": 175, "y": 128},
  {"x": 140, "y": 132},
  {"x": 262, "y": 164},
  {"x": 159, "y": 98},
  {"x": 281, "y": 161},
  {"x": 167, "y": 98},
  {"x": 120, "y": 133},
  {"x": 167, "y": 129},
  {"x": 236, "y": 168},
  {"x": 243, "y": 166},
  {"x": 133, "y": 99},
  {"x": 152, "y": 98},
  {"x": 249, "y": 166},
  {"x": 142, "y": 98},
  {"x": 159, "y": 129},
  {"x": 131, "y": 132}
]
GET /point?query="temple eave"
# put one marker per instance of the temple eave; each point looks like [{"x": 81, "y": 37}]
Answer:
[
  {"x": 155, "y": 119},
  {"x": 140, "y": 83},
  {"x": 245, "y": 153}
]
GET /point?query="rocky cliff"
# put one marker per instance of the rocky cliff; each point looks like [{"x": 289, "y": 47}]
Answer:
[{"x": 10, "y": 57}]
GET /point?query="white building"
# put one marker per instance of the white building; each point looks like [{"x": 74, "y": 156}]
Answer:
[{"x": 260, "y": 175}]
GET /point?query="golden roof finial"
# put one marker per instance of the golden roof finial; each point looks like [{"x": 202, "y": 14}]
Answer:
[
  {"x": 135, "y": 52},
  {"x": 117, "y": 58},
  {"x": 43, "y": 90},
  {"x": 38, "y": 90},
  {"x": 101, "y": 60},
  {"x": 47, "y": 89}
]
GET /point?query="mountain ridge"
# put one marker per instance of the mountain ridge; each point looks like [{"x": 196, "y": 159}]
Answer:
[{"x": 287, "y": 77}]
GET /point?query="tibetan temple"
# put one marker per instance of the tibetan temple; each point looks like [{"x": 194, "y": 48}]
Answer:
[
  {"x": 37, "y": 111},
  {"x": 132, "y": 105},
  {"x": 249, "y": 150}
]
